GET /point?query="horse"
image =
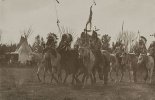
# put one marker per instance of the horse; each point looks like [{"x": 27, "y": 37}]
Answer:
[
  {"x": 47, "y": 62},
  {"x": 129, "y": 61},
  {"x": 104, "y": 67},
  {"x": 115, "y": 63},
  {"x": 88, "y": 60},
  {"x": 38, "y": 59},
  {"x": 70, "y": 64},
  {"x": 52, "y": 60},
  {"x": 114, "y": 66},
  {"x": 147, "y": 62}
]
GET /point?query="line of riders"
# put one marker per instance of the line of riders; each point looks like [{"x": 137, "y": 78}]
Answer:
[{"x": 87, "y": 58}]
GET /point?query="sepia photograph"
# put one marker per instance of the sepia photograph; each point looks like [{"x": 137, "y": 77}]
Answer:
[{"x": 77, "y": 50}]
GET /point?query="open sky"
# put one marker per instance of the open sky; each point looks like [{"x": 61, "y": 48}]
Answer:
[{"x": 108, "y": 15}]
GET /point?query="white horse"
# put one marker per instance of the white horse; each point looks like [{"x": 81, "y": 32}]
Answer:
[
  {"x": 88, "y": 60},
  {"x": 148, "y": 62},
  {"x": 38, "y": 58}
]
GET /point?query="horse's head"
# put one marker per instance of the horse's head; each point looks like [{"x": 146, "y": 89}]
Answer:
[{"x": 141, "y": 59}]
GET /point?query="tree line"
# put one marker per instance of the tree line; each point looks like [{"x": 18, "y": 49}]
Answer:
[{"x": 127, "y": 38}]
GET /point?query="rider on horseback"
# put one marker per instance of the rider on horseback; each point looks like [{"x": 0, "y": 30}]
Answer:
[
  {"x": 65, "y": 43},
  {"x": 83, "y": 41},
  {"x": 140, "y": 46},
  {"x": 95, "y": 46},
  {"x": 51, "y": 44}
]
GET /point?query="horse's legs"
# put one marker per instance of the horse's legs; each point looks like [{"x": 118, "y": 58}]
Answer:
[
  {"x": 122, "y": 72},
  {"x": 38, "y": 71},
  {"x": 86, "y": 79},
  {"x": 83, "y": 78},
  {"x": 45, "y": 71},
  {"x": 105, "y": 77},
  {"x": 60, "y": 75},
  {"x": 130, "y": 70},
  {"x": 122, "y": 75},
  {"x": 117, "y": 73},
  {"x": 80, "y": 72},
  {"x": 146, "y": 76},
  {"x": 66, "y": 76},
  {"x": 135, "y": 76},
  {"x": 73, "y": 78},
  {"x": 93, "y": 76},
  {"x": 150, "y": 75},
  {"x": 130, "y": 75},
  {"x": 77, "y": 79},
  {"x": 52, "y": 75},
  {"x": 135, "y": 73},
  {"x": 92, "y": 79},
  {"x": 110, "y": 74}
]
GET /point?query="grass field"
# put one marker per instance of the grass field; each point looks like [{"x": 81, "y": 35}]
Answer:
[{"x": 22, "y": 84}]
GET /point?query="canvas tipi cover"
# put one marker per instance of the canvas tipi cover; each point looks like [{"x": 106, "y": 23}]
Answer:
[{"x": 23, "y": 50}]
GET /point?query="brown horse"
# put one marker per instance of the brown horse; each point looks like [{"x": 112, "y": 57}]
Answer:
[
  {"x": 104, "y": 67},
  {"x": 70, "y": 63}
]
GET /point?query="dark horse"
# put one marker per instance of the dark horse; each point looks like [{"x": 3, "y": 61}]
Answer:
[
  {"x": 103, "y": 67},
  {"x": 70, "y": 63}
]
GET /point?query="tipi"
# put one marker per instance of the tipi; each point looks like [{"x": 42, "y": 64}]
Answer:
[{"x": 23, "y": 49}]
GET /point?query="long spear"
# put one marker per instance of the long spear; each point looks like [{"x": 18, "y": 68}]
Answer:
[{"x": 58, "y": 21}]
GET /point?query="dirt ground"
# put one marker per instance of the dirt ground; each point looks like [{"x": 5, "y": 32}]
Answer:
[{"x": 22, "y": 84}]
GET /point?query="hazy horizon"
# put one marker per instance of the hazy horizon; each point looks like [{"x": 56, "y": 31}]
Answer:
[{"x": 108, "y": 15}]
